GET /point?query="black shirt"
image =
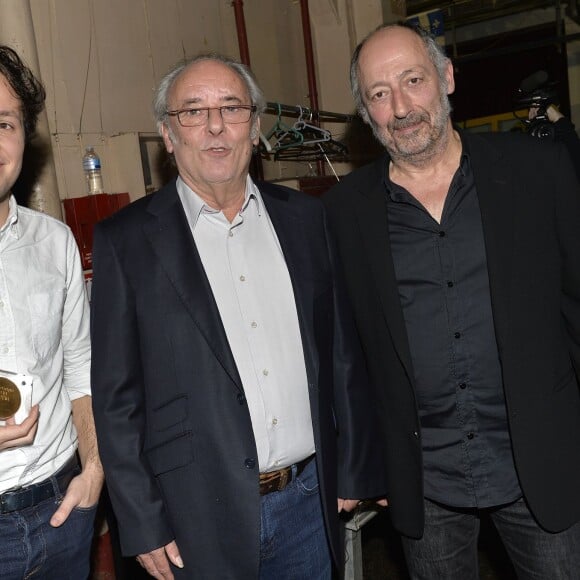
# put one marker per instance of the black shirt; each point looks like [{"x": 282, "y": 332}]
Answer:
[{"x": 443, "y": 284}]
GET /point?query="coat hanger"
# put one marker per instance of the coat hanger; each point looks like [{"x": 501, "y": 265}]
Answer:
[
  {"x": 316, "y": 144},
  {"x": 283, "y": 135},
  {"x": 311, "y": 133},
  {"x": 322, "y": 150}
]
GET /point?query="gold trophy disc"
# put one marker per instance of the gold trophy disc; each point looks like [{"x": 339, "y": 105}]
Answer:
[{"x": 9, "y": 398}]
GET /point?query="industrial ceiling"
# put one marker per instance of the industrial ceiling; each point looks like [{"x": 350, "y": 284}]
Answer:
[{"x": 458, "y": 13}]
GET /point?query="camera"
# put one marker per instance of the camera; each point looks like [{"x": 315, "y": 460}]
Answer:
[{"x": 537, "y": 91}]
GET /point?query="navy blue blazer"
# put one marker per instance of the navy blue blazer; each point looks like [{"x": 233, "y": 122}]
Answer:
[{"x": 173, "y": 426}]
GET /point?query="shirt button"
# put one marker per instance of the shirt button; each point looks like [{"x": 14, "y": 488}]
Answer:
[
  {"x": 470, "y": 435},
  {"x": 5, "y": 349},
  {"x": 250, "y": 463},
  {"x": 265, "y": 372},
  {"x": 241, "y": 398},
  {"x": 242, "y": 278},
  {"x": 457, "y": 335},
  {"x": 274, "y": 421},
  {"x": 441, "y": 234},
  {"x": 254, "y": 324},
  {"x": 450, "y": 284},
  {"x": 416, "y": 434},
  {"x": 462, "y": 385},
  {"x": 231, "y": 234}
]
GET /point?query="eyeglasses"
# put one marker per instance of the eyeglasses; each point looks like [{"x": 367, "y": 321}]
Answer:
[{"x": 230, "y": 114}]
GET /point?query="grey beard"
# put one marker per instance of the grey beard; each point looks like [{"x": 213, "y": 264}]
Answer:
[{"x": 433, "y": 146}]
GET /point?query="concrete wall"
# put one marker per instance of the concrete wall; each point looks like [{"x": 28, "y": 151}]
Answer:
[{"x": 101, "y": 60}]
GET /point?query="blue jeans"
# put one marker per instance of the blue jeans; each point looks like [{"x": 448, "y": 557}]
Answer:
[
  {"x": 31, "y": 548},
  {"x": 448, "y": 548},
  {"x": 293, "y": 543}
]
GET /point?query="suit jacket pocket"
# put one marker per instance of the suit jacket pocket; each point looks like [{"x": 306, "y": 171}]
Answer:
[
  {"x": 170, "y": 413},
  {"x": 172, "y": 454}
]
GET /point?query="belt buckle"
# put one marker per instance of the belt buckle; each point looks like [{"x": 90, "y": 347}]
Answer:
[{"x": 283, "y": 482}]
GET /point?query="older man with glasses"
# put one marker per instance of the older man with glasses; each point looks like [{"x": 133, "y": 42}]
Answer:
[{"x": 229, "y": 391}]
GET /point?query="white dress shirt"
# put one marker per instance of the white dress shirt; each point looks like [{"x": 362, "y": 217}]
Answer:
[
  {"x": 44, "y": 333},
  {"x": 251, "y": 285}
]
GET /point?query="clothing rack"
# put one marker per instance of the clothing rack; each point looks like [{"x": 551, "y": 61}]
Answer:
[
  {"x": 305, "y": 141},
  {"x": 296, "y": 110}
]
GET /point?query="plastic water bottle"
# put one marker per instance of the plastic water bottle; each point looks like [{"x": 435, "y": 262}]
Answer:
[{"x": 92, "y": 167}]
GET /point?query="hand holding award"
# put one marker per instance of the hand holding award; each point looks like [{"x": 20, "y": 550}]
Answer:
[{"x": 18, "y": 419}]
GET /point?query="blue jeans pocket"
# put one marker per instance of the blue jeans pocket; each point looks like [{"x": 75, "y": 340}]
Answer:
[
  {"x": 307, "y": 481},
  {"x": 90, "y": 510},
  {"x": 31, "y": 547}
]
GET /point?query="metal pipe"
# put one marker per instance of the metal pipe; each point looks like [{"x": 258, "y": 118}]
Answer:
[
  {"x": 241, "y": 29},
  {"x": 307, "y": 33},
  {"x": 256, "y": 167},
  {"x": 312, "y": 90},
  {"x": 274, "y": 108}
]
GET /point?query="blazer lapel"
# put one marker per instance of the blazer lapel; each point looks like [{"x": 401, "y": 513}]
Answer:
[
  {"x": 370, "y": 208},
  {"x": 494, "y": 184},
  {"x": 172, "y": 242}
]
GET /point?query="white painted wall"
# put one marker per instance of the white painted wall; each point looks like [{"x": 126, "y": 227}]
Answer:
[{"x": 101, "y": 60}]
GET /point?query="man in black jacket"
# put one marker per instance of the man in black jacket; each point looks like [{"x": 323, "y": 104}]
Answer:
[{"x": 462, "y": 257}]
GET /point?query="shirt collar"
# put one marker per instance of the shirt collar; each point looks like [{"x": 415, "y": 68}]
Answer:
[
  {"x": 194, "y": 206},
  {"x": 11, "y": 224},
  {"x": 394, "y": 191}
]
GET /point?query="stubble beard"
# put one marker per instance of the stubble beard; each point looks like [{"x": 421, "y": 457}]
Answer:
[{"x": 418, "y": 147}]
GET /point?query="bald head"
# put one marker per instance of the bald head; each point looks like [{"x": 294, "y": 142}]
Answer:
[
  {"x": 401, "y": 81},
  {"x": 385, "y": 39}
]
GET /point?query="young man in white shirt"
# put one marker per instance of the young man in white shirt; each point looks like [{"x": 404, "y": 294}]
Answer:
[{"x": 47, "y": 499}]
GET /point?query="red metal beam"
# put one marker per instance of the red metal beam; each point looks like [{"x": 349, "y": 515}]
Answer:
[
  {"x": 312, "y": 90},
  {"x": 241, "y": 28},
  {"x": 307, "y": 33},
  {"x": 256, "y": 167}
]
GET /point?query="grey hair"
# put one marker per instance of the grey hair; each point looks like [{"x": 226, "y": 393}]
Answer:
[
  {"x": 434, "y": 50},
  {"x": 160, "y": 106}
]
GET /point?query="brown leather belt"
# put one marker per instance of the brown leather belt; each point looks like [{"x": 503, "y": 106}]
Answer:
[{"x": 278, "y": 480}]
